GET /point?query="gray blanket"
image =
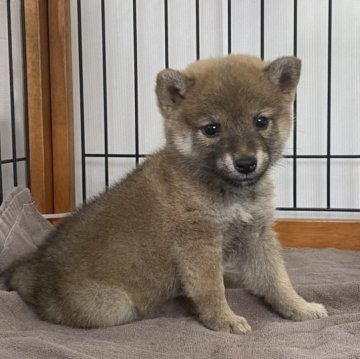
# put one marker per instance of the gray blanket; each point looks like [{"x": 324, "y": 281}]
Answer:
[{"x": 328, "y": 276}]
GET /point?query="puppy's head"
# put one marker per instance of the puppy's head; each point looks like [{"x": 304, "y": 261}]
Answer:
[{"x": 229, "y": 117}]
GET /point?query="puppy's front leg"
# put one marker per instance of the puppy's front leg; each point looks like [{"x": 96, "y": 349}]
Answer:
[
  {"x": 199, "y": 264},
  {"x": 264, "y": 274}
]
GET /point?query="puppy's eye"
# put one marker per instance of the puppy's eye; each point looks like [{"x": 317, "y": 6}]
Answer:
[
  {"x": 261, "y": 122},
  {"x": 211, "y": 130}
]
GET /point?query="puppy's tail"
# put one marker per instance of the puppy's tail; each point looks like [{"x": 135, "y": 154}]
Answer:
[{"x": 21, "y": 278}]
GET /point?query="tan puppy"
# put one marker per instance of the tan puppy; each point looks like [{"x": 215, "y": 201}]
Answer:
[{"x": 199, "y": 209}]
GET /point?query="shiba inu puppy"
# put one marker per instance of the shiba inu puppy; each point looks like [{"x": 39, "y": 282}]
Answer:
[{"x": 194, "y": 215}]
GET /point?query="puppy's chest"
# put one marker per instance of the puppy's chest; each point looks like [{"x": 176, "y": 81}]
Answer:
[
  {"x": 235, "y": 212},
  {"x": 242, "y": 220},
  {"x": 243, "y": 210}
]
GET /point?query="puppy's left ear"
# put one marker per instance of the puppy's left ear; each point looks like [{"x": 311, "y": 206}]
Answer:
[
  {"x": 284, "y": 73},
  {"x": 172, "y": 88}
]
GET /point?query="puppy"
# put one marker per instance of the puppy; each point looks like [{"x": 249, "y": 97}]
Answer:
[{"x": 196, "y": 212}]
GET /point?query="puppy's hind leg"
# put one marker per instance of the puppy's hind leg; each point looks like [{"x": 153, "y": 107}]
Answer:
[
  {"x": 264, "y": 274},
  {"x": 91, "y": 304}
]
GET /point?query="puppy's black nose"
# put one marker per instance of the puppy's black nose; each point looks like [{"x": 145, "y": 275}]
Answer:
[{"x": 245, "y": 165}]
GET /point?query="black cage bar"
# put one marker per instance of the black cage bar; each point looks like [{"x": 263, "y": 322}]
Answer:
[{"x": 14, "y": 160}]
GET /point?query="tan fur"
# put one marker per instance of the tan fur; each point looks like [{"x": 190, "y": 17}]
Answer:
[{"x": 186, "y": 217}]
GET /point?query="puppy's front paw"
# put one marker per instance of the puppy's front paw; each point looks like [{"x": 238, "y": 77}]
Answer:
[
  {"x": 306, "y": 311},
  {"x": 230, "y": 324}
]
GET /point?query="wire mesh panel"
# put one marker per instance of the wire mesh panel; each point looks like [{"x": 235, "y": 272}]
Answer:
[
  {"x": 119, "y": 46},
  {"x": 13, "y": 107}
]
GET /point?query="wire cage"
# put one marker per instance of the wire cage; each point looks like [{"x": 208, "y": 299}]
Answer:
[
  {"x": 234, "y": 15},
  {"x": 13, "y": 118}
]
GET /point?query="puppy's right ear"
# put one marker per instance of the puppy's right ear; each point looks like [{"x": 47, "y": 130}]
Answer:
[
  {"x": 284, "y": 73},
  {"x": 172, "y": 88}
]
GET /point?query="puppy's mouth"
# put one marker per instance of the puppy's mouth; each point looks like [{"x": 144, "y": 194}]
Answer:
[
  {"x": 239, "y": 181},
  {"x": 244, "y": 181},
  {"x": 249, "y": 181}
]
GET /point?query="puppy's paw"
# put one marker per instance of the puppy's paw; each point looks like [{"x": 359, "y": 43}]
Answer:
[
  {"x": 231, "y": 324},
  {"x": 306, "y": 311}
]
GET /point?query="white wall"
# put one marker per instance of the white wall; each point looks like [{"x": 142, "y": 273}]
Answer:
[{"x": 5, "y": 109}]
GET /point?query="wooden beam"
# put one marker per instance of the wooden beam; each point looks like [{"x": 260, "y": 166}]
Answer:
[
  {"x": 319, "y": 233},
  {"x": 38, "y": 94},
  {"x": 61, "y": 105}
]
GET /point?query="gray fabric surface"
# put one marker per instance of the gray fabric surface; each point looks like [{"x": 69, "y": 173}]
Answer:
[
  {"x": 22, "y": 228},
  {"x": 329, "y": 276}
]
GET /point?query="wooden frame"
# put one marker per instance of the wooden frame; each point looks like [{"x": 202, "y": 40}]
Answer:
[
  {"x": 39, "y": 110},
  {"x": 319, "y": 233},
  {"x": 61, "y": 106},
  {"x": 50, "y": 118},
  {"x": 48, "y": 53}
]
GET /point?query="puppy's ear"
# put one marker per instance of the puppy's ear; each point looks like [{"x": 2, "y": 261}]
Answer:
[
  {"x": 172, "y": 88},
  {"x": 284, "y": 73}
]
